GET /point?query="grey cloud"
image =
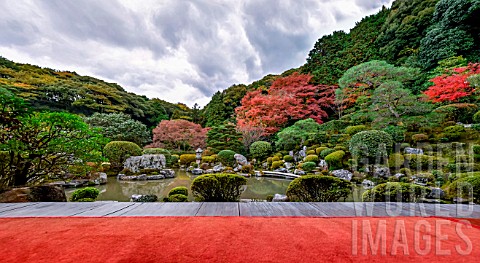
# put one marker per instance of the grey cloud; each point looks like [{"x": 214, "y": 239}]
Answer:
[{"x": 372, "y": 4}]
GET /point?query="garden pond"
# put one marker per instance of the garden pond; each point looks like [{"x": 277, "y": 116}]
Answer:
[{"x": 257, "y": 188}]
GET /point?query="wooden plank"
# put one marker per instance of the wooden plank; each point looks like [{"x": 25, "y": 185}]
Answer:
[
  {"x": 278, "y": 209},
  {"x": 50, "y": 209},
  {"x": 142, "y": 209},
  {"x": 162, "y": 209},
  {"x": 338, "y": 209},
  {"x": 123, "y": 209},
  {"x": 105, "y": 209},
  {"x": 218, "y": 209},
  {"x": 14, "y": 206}
]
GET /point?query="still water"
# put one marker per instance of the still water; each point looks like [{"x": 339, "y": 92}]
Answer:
[{"x": 257, "y": 188}]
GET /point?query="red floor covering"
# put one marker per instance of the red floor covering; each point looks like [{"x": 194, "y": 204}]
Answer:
[{"x": 238, "y": 239}]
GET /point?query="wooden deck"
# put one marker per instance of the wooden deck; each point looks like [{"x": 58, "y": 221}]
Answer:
[{"x": 264, "y": 209}]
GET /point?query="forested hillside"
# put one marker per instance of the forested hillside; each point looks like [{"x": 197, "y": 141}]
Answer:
[{"x": 48, "y": 89}]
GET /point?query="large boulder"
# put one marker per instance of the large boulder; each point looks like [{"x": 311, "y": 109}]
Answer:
[
  {"x": 241, "y": 160},
  {"x": 197, "y": 171},
  {"x": 143, "y": 198},
  {"x": 146, "y": 161},
  {"x": 43, "y": 193},
  {"x": 168, "y": 173},
  {"x": 218, "y": 168},
  {"x": 343, "y": 174},
  {"x": 279, "y": 198},
  {"x": 299, "y": 172},
  {"x": 436, "y": 193}
]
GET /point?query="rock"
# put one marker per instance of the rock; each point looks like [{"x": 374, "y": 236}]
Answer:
[
  {"x": 343, "y": 174},
  {"x": 410, "y": 150},
  {"x": 281, "y": 170},
  {"x": 209, "y": 171},
  {"x": 101, "y": 179},
  {"x": 43, "y": 193},
  {"x": 241, "y": 160},
  {"x": 168, "y": 173},
  {"x": 143, "y": 198},
  {"x": 190, "y": 169},
  {"x": 279, "y": 198},
  {"x": 218, "y": 168},
  {"x": 299, "y": 172},
  {"x": 156, "y": 177},
  {"x": 436, "y": 193},
  {"x": 323, "y": 164},
  {"x": 381, "y": 171},
  {"x": 197, "y": 171},
  {"x": 367, "y": 184},
  {"x": 399, "y": 175},
  {"x": 288, "y": 165},
  {"x": 123, "y": 177},
  {"x": 147, "y": 161},
  {"x": 265, "y": 165},
  {"x": 142, "y": 177}
]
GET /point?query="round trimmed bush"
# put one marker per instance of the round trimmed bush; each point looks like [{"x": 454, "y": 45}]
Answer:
[
  {"x": 182, "y": 190},
  {"x": 454, "y": 132},
  {"x": 187, "y": 159},
  {"x": 352, "y": 130},
  {"x": 226, "y": 157},
  {"x": 177, "y": 198},
  {"x": 218, "y": 187},
  {"x": 270, "y": 160},
  {"x": 396, "y": 160},
  {"x": 311, "y": 152},
  {"x": 208, "y": 159},
  {"x": 288, "y": 159},
  {"x": 311, "y": 158},
  {"x": 87, "y": 194},
  {"x": 119, "y": 151},
  {"x": 320, "y": 149},
  {"x": 277, "y": 164},
  {"x": 371, "y": 145},
  {"x": 326, "y": 152},
  {"x": 318, "y": 188},
  {"x": 396, "y": 192},
  {"x": 308, "y": 166},
  {"x": 275, "y": 159},
  {"x": 476, "y": 117},
  {"x": 416, "y": 138},
  {"x": 260, "y": 150},
  {"x": 466, "y": 188},
  {"x": 174, "y": 159},
  {"x": 334, "y": 160}
]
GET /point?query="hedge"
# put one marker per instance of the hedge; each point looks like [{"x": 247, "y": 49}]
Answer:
[
  {"x": 318, "y": 188},
  {"x": 352, "y": 130},
  {"x": 208, "y": 159},
  {"x": 454, "y": 132},
  {"x": 187, "y": 159},
  {"x": 218, "y": 187},
  {"x": 334, "y": 160},
  {"x": 395, "y": 192}
]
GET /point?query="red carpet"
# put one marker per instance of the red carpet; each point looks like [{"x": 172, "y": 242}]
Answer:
[{"x": 237, "y": 239}]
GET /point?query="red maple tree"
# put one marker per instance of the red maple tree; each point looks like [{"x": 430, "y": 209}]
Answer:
[
  {"x": 179, "y": 134},
  {"x": 288, "y": 99},
  {"x": 453, "y": 87}
]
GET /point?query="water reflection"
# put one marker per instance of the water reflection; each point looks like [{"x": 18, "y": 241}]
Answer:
[{"x": 114, "y": 190}]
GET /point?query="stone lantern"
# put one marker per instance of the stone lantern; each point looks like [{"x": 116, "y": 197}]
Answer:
[{"x": 198, "y": 153}]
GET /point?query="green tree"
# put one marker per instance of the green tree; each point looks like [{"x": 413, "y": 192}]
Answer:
[
  {"x": 119, "y": 127},
  {"x": 371, "y": 147},
  {"x": 296, "y": 135},
  {"x": 44, "y": 145},
  {"x": 225, "y": 137}
]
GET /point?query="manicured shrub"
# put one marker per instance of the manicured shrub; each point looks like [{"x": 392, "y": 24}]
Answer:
[
  {"x": 467, "y": 188},
  {"x": 423, "y": 162},
  {"x": 340, "y": 148},
  {"x": 462, "y": 158},
  {"x": 476, "y": 152},
  {"x": 453, "y": 133},
  {"x": 147, "y": 199},
  {"x": 226, "y": 157},
  {"x": 338, "y": 138},
  {"x": 178, "y": 190},
  {"x": 119, "y": 151},
  {"x": 208, "y": 159},
  {"x": 396, "y": 192},
  {"x": 458, "y": 112},
  {"x": 372, "y": 145},
  {"x": 269, "y": 160},
  {"x": 177, "y": 198},
  {"x": 275, "y": 159},
  {"x": 320, "y": 149},
  {"x": 308, "y": 166},
  {"x": 405, "y": 171},
  {"x": 288, "y": 159},
  {"x": 396, "y": 160},
  {"x": 260, "y": 150},
  {"x": 416, "y": 138},
  {"x": 187, "y": 159},
  {"x": 352, "y": 130},
  {"x": 277, "y": 164},
  {"x": 311, "y": 158},
  {"x": 476, "y": 117},
  {"x": 318, "y": 188},
  {"x": 311, "y": 152},
  {"x": 218, "y": 187},
  {"x": 462, "y": 167},
  {"x": 248, "y": 169},
  {"x": 87, "y": 194},
  {"x": 326, "y": 152},
  {"x": 334, "y": 160}
]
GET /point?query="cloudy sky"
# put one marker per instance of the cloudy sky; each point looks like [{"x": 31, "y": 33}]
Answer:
[{"x": 176, "y": 50}]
